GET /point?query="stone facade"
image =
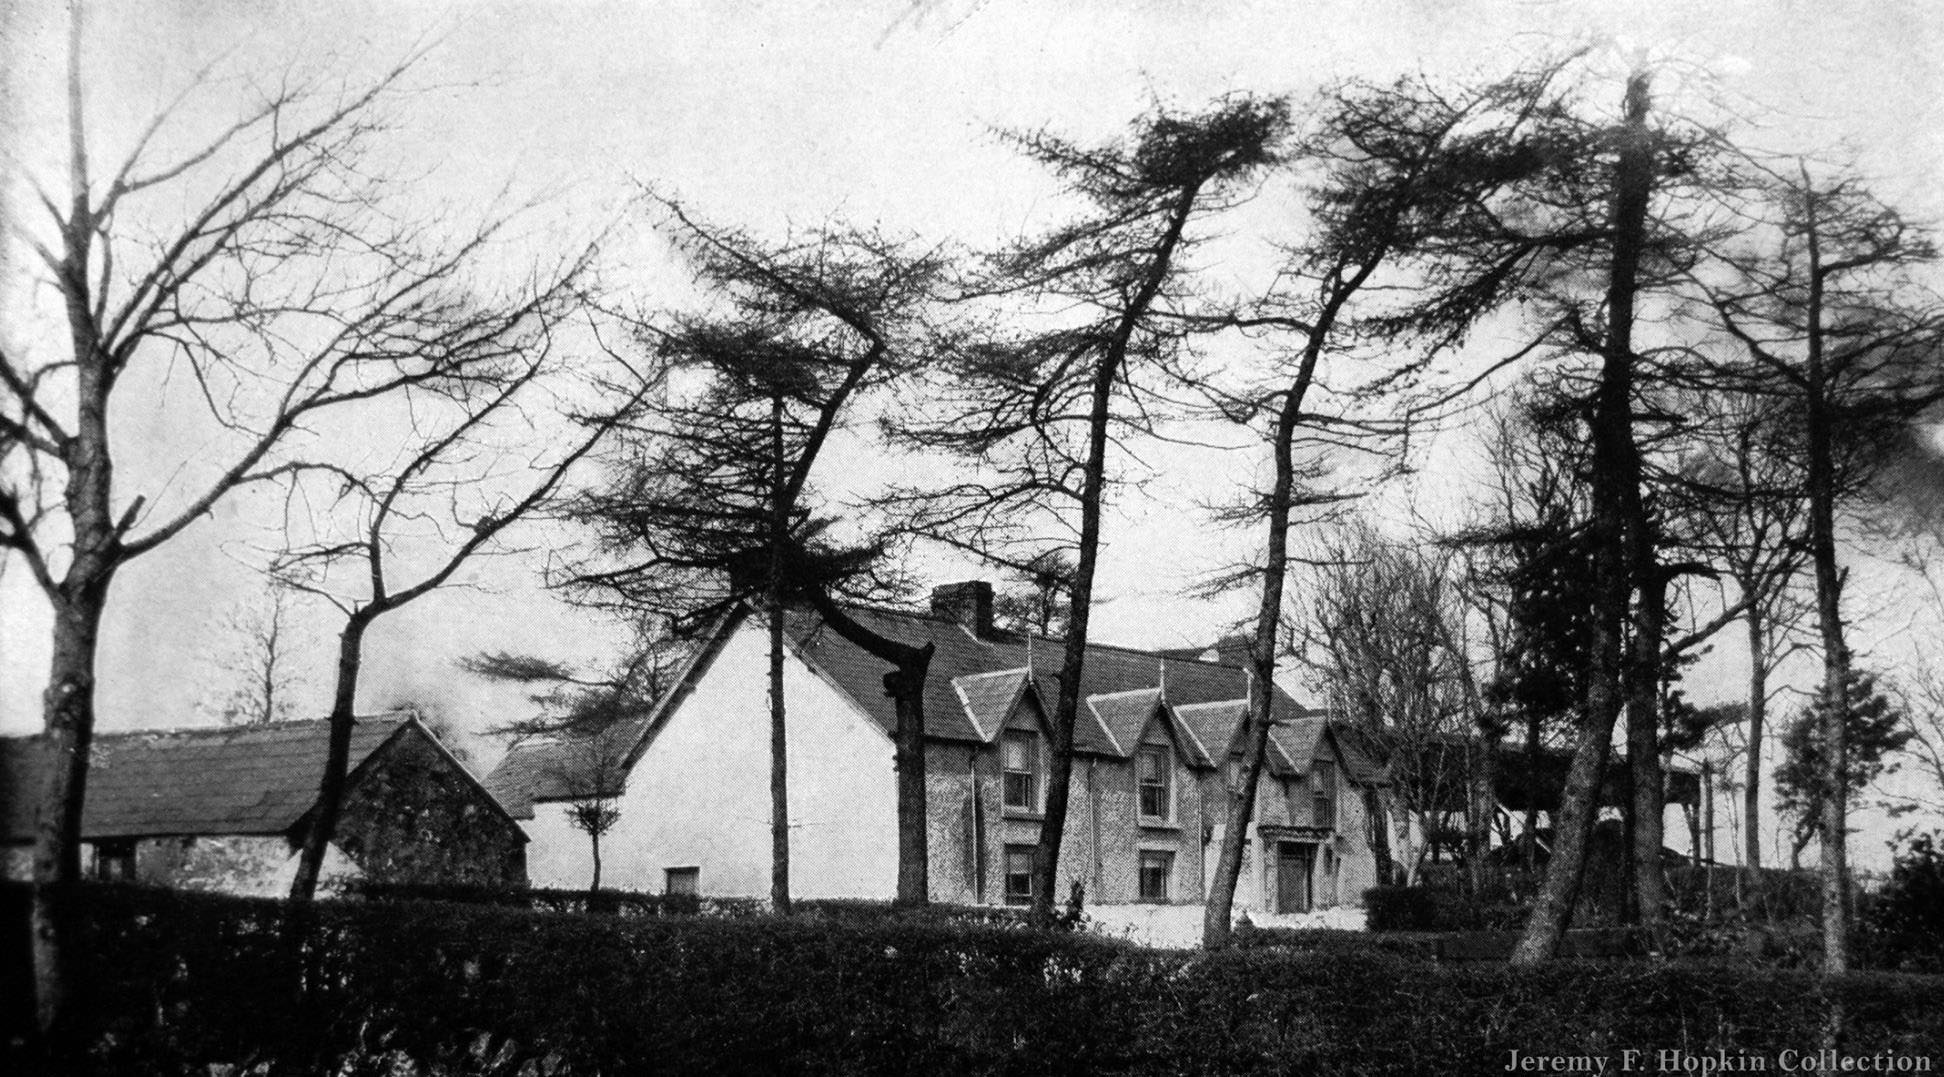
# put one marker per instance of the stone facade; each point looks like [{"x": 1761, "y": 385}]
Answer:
[{"x": 413, "y": 818}]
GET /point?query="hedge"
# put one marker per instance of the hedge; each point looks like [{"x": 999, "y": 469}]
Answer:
[
  {"x": 609, "y": 902},
  {"x": 1424, "y": 908},
  {"x": 180, "y": 983}
]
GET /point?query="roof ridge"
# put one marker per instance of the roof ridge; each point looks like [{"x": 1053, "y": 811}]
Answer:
[
  {"x": 1210, "y": 703},
  {"x": 1010, "y": 671},
  {"x": 244, "y": 728},
  {"x": 1018, "y": 638},
  {"x": 1122, "y": 692}
]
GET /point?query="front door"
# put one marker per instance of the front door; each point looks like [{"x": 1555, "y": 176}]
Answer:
[{"x": 1293, "y": 877}]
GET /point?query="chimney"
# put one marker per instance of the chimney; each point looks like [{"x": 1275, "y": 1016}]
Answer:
[{"x": 969, "y": 603}]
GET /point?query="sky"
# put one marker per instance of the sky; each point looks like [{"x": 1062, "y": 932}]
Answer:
[{"x": 781, "y": 115}]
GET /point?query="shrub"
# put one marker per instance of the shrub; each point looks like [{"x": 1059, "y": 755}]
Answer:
[
  {"x": 1904, "y": 923},
  {"x": 1399, "y": 908},
  {"x": 1422, "y": 908},
  {"x": 625, "y": 903}
]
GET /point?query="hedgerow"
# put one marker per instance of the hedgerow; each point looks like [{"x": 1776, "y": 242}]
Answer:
[{"x": 180, "y": 983}]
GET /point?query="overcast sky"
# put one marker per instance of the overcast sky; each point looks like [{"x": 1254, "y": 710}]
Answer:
[{"x": 793, "y": 113}]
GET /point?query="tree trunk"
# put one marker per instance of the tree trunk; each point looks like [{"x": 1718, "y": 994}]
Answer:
[
  {"x": 68, "y": 711},
  {"x": 1408, "y": 852},
  {"x": 1829, "y": 619},
  {"x": 1220, "y": 904},
  {"x": 337, "y": 758},
  {"x": 905, "y": 684},
  {"x": 1484, "y": 800},
  {"x": 1532, "y": 747},
  {"x": 1219, "y": 909},
  {"x": 594, "y": 887},
  {"x": 1649, "y": 800},
  {"x": 1066, "y": 710},
  {"x": 67, "y": 704},
  {"x": 1757, "y": 717},
  {"x": 779, "y": 770},
  {"x": 778, "y": 731},
  {"x": 1616, "y": 508},
  {"x": 1379, "y": 817}
]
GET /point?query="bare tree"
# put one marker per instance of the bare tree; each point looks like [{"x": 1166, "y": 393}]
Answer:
[
  {"x": 1380, "y": 638},
  {"x": 251, "y": 281},
  {"x": 263, "y": 678},
  {"x": 1822, "y": 313},
  {"x": 1038, "y": 604},
  {"x": 1747, "y": 507},
  {"x": 398, "y": 527}
]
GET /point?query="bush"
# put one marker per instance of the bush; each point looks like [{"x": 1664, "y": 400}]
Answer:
[
  {"x": 625, "y": 903},
  {"x": 1903, "y": 924},
  {"x": 866, "y": 909},
  {"x": 1399, "y": 908},
  {"x": 185, "y": 983},
  {"x": 1423, "y": 908}
]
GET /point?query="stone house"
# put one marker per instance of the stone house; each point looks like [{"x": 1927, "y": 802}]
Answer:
[
  {"x": 1156, "y": 749},
  {"x": 226, "y": 808}
]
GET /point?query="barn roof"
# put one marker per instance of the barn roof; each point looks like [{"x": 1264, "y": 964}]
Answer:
[{"x": 258, "y": 779}]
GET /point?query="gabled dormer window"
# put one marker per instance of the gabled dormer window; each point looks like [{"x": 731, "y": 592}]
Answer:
[
  {"x": 1153, "y": 775},
  {"x": 1019, "y": 758}
]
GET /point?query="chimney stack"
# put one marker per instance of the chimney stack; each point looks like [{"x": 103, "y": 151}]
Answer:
[{"x": 968, "y": 603}]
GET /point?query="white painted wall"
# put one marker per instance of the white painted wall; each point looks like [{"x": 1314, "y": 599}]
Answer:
[
  {"x": 699, "y": 796},
  {"x": 244, "y": 865}
]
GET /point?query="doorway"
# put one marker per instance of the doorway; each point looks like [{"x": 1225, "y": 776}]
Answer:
[{"x": 1293, "y": 863}]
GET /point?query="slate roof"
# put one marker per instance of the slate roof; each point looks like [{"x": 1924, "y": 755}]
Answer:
[
  {"x": 989, "y": 698},
  {"x": 1219, "y": 726},
  {"x": 1126, "y": 714},
  {"x": 973, "y": 685},
  {"x": 961, "y": 660},
  {"x": 228, "y": 780},
  {"x": 556, "y": 769}
]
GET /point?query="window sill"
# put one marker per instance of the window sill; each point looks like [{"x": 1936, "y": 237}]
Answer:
[
  {"x": 1024, "y": 816},
  {"x": 1158, "y": 824}
]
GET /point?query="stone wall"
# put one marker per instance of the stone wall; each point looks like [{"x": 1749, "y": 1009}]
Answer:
[{"x": 410, "y": 818}]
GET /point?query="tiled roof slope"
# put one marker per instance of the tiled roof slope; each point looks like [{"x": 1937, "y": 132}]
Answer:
[
  {"x": 1125, "y": 714},
  {"x": 556, "y": 769},
  {"x": 960, "y": 654},
  {"x": 1219, "y": 726},
  {"x": 229, "y": 780},
  {"x": 989, "y": 698}
]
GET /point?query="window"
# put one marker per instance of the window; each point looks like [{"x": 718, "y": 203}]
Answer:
[
  {"x": 115, "y": 861},
  {"x": 1152, "y": 775},
  {"x": 1021, "y": 763},
  {"x": 1235, "y": 775},
  {"x": 1323, "y": 796},
  {"x": 683, "y": 881},
  {"x": 1157, "y": 869},
  {"x": 1019, "y": 875}
]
